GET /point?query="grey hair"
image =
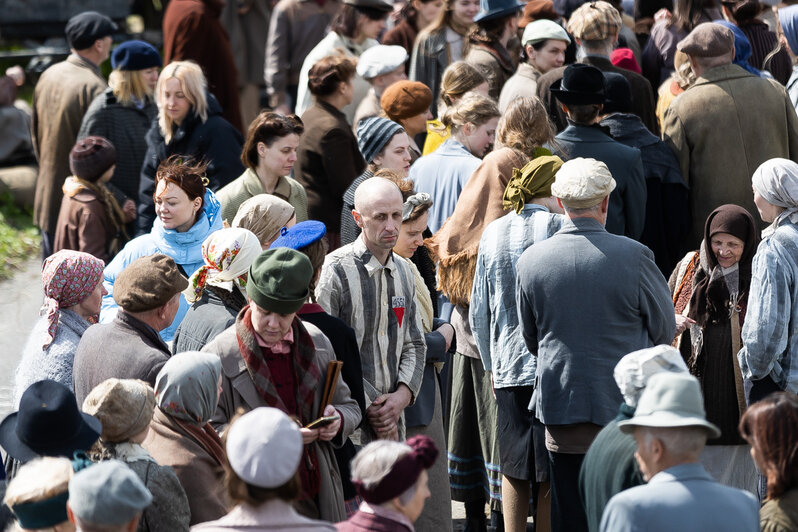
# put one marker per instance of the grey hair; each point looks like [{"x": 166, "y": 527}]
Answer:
[
  {"x": 677, "y": 440},
  {"x": 586, "y": 210},
  {"x": 39, "y": 479},
  {"x": 375, "y": 461}
]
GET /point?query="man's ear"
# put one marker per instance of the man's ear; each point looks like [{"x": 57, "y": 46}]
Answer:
[
  {"x": 358, "y": 218},
  {"x": 70, "y": 514}
]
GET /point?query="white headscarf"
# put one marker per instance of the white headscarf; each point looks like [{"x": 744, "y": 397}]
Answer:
[
  {"x": 633, "y": 371},
  {"x": 228, "y": 254},
  {"x": 776, "y": 181}
]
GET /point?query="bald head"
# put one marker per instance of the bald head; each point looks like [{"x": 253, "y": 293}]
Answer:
[
  {"x": 378, "y": 212},
  {"x": 374, "y": 190}
]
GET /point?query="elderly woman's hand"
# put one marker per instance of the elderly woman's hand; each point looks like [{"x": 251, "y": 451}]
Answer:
[
  {"x": 327, "y": 433},
  {"x": 309, "y": 435}
]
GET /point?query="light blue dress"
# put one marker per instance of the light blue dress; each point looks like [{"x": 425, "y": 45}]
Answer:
[{"x": 184, "y": 248}]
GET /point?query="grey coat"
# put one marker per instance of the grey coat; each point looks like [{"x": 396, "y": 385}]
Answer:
[
  {"x": 238, "y": 391},
  {"x": 429, "y": 59},
  {"x": 610, "y": 299}
]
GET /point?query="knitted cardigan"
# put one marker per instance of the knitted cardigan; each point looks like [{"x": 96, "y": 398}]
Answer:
[{"x": 55, "y": 362}]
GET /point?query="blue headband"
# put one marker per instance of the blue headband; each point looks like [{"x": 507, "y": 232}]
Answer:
[{"x": 42, "y": 514}]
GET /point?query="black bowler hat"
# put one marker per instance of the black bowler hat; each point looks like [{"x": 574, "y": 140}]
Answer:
[
  {"x": 48, "y": 423},
  {"x": 85, "y": 28},
  {"x": 581, "y": 84}
]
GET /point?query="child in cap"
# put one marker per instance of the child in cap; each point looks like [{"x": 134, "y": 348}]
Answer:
[{"x": 91, "y": 219}]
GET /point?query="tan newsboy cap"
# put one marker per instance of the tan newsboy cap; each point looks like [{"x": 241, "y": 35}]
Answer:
[
  {"x": 148, "y": 283},
  {"x": 707, "y": 40},
  {"x": 595, "y": 21},
  {"x": 582, "y": 183}
]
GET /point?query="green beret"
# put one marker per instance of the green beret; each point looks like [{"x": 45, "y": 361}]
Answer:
[{"x": 279, "y": 280}]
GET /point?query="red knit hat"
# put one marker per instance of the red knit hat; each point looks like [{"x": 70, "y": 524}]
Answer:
[
  {"x": 91, "y": 157},
  {"x": 403, "y": 474}
]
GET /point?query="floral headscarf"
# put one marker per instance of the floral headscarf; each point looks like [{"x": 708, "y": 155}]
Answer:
[
  {"x": 187, "y": 386},
  {"x": 68, "y": 277},
  {"x": 227, "y": 253}
]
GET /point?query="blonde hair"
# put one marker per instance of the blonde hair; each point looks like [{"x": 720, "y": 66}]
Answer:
[
  {"x": 129, "y": 85},
  {"x": 458, "y": 79},
  {"x": 194, "y": 86},
  {"x": 473, "y": 108},
  {"x": 39, "y": 479},
  {"x": 525, "y": 126}
]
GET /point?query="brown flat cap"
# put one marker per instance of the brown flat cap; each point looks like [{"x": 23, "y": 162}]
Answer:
[
  {"x": 148, "y": 283},
  {"x": 707, "y": 40},
  {"x": 405, "y": 99},
  {"x": 536, "y": 10}
]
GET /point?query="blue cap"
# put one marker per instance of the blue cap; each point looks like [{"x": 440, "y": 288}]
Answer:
[
  {"x": 493, "y": 9},
  {"x": 108, "y": 493},
  {"x": 300, "y": 236},
  {"x": 135, "y": 55}
]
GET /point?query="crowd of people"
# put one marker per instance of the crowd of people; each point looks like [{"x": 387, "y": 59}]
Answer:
[{"x": 539, "y": 258}]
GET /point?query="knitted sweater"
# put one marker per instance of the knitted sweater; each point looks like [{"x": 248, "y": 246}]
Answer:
[{"x": 55, "y": 362}]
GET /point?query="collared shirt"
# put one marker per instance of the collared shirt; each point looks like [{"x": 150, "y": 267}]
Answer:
[
  {"x": 770, "y": 342},
  {"x": 281, "y": 347},
  {"x": 387, "y": 513},
  {"x": 379, "y": 303},
  {"x": 493, "y": 313}
]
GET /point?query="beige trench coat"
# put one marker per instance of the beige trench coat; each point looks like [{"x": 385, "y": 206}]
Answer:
[
  {"x": 238, "y": 391},
  {"x": 721, "y": 129},
  {"x": 60, "y": 99}
]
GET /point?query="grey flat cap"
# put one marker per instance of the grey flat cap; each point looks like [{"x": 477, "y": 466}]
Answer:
[{"x": 108, "y": 493}]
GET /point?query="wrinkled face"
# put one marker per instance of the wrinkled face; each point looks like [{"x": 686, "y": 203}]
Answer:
[
  {"x": 480, "y": 141},
  {"x": 728, "y": 249},
  {"x": 412, "y": 510},
  {"x": 381, "y": 220},
  {"x": 371, "y": 29},
  {"x": 386, "y": 80},
  {"x": 552, "y": 55},
  {"x": 174, "y": 101},
  {"x": 174, "y": 208},
  {"x": 411, "y": 236},
  {"x": 150, "y": 77},
  {"x": 644, "y": 454},
  {"x": 271, "y": 326},
  {"x": 91, "y": 305},
  {"x": 464, "y": 11},
  {"x": 279, "y": 158},
  {"x": 395, "y": 155},
  {"x": 171, "y": 310},
  {"x": 429, "y": 11},
  {"x": 416, "y": 124}
]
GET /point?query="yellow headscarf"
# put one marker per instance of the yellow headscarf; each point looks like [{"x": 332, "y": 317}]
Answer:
[{"x": 534, "y": 180}]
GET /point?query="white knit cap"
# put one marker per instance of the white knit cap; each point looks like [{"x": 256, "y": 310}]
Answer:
[{"x": 264, "y": 447}]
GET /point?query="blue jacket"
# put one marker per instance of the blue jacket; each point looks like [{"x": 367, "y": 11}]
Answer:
[
  {"x": 184, "y": 248},
  {"x": 493, "y": 313},
  {"x": 585, "y": 299},
  {"x": 627, "y": 212},
  {"x": 683, "y": 498},
  {"x": 442, "y": 174}
]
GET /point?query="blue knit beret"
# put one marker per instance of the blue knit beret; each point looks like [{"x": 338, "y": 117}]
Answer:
[
  {"x": 373, "y": 134},
  {"x": 300, "y": 235},
  {"x": 135, "y": 55}
]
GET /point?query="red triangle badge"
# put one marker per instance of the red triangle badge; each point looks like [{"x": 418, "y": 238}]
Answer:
[{"x": 398, "y": 305}]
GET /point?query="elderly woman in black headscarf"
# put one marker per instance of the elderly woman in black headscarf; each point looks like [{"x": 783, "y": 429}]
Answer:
[{"x": 710, "y": 290}]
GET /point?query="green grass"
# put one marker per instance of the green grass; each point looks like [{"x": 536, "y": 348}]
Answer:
[{"x": 19, "y": 238}]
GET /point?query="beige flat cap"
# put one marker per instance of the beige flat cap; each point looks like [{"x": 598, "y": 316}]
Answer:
[
  {"x": 707, "y": 40},
  {"x": 582, "y": 183}
]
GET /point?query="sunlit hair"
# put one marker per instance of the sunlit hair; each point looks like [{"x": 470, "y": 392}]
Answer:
[
  {"x": 443, "y": 20},
  {"x": 525, "y": 126},
  {"x": 329, "y": 72},
  {"x": 771, "y": 427},
  {"x": 188, "y": 176},
  {"x": 267, "y": 128},
  {"x": 39, "y": 479},
  {"x": 194, "y": 86},
  {"x": 473, "y": 108},
  {"x": 129, "y": 85},
  {"x": 458, "y": 78}
]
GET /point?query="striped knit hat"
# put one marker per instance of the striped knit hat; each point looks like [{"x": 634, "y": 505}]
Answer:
[{"x": 373, "y": 134}]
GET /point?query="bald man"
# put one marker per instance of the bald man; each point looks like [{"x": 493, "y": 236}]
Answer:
[{"x": 373, "y": 291}]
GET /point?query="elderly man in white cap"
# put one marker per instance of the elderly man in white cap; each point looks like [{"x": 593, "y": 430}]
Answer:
[
  {"x": 610, "y": 466},
  {"x": 381, "y": 66},
  {"x": 585, "y": 298},
  {"x": 671, "y": 429},
  {"x": 107, "y": 497}
]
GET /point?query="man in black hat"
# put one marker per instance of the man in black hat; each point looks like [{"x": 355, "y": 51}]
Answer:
[
  {"x": 60, "y": 100},
  {"x": 581, "y": 96}
]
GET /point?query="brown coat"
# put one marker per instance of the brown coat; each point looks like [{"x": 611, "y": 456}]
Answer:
[
  {"x": 60, "y": 99},
  {"x": 494, "y": 65},
  {"x": 238, "y": 391},
  {"x": 328, "y": 160},
  {"x": 192, "y": 31},
  {"x": 403, "y": 34},
  {"x": 721, "y": 129},
  {"x": 84, "y": 225},
  {"x": 201, "y": 476}
]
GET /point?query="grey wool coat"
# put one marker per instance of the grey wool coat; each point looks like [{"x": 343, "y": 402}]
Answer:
[
  {"x": 611, "y": 299},
  {"x": 238, "y": 391}
]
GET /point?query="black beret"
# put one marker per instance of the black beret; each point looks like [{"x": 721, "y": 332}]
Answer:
[{"x": 85, "y": 28}]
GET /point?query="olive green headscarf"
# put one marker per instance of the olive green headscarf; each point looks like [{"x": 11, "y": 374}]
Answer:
[{"x": 534, "y": 180}]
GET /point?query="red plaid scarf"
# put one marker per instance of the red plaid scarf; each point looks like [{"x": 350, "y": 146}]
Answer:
[{"x": 306, "y": 375}]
